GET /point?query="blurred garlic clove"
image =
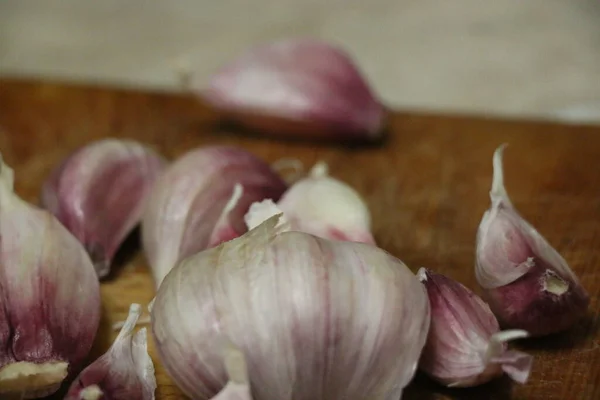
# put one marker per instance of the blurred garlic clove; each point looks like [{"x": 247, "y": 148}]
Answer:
[
  {"x": 314, "y": 86},
  {"x": 320, "y": 205},
  {"x": 98, "y": 194},
  {"x": 315, "y": 318},
  {"x": 49, "y": 298},
  {"x": 124, "y": 372},
  {"x": 200, "y": 201},
  {"x": 464, "y": 345},
  {"x": 527, "y": 284}
]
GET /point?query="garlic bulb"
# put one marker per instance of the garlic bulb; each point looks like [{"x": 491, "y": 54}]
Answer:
[
  {"x": 49, "y": 298},
  {"x": 527, "y": 284},
  {"x": 319, "y": 205},
  {"x": 311, "y": 83},
  {"x": 98, "y": 193},
  {"x": 465, "y": 346},
  {"x": 315, "y": 319},
  {"x": 125, "y": 372},
  {"x": 200, "y": 201}
]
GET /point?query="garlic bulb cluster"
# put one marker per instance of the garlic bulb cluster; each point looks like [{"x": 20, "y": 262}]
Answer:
[
  {"x": 200, "y": 201},
  {"x": 98, "y": 193},
  {"x": 124, "y": 372},
  {"x": 49, "y": 298},
  {"x": 320, "y": 205},
  {"x": 465, "y": 346},
  {"x": 311, "y": 83},
  {"x": 526, "y": 281},
  {"x": 315, "y": 319}
]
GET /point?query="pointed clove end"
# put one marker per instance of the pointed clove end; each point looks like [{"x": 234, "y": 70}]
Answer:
[{"x": 32, "y": 380}]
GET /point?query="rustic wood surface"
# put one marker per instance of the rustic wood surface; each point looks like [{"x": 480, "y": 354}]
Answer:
[{"x": 427, "y": 187}]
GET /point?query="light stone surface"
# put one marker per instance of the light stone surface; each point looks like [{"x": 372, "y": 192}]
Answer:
[{"x": 537, "y": 58}]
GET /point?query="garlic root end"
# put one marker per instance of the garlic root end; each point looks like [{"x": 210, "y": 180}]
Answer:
[{"x": 31, "y": 379}]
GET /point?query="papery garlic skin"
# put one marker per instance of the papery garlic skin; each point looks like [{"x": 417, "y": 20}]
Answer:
[
  {"x": 465, "y": 346},
  {"x": 49, "y": 298},
  {"x": 124, "y": 372},
  {"x": 316, "y": 319},
  {"x": 300, "y": 80},
  {"x": 99, "y": 191},
  {"x": 200, "y": 201},
  {"x": 527, "y": 283},
  {"x": 322, "y": 206}
]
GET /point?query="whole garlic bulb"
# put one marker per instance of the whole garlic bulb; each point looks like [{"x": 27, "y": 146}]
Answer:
[{"x": 316, "y": 319}]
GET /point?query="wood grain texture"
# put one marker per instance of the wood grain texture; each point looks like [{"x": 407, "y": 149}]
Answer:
[{"x": 427, "y": 188}]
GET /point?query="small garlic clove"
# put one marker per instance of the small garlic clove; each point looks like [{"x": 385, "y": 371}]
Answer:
[
  {"x": 98, "y": 193},
  {"x": 464, "y": 345},
  {"x": 238, "y": 386},
  {"x": 49, "y": 298},
  {"x": 527, "y": 283},
  {"x": 322, "y": 206},
  {"x": 200, "y": 201},
  {"x": 313, "y": 85},
  {"x": 124, "y": 372},
  {"x": 312, "y": 317}
]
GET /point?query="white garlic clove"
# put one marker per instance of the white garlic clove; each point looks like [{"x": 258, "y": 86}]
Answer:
[
  {"x": 322, "y": 206},
  {"x": 200, "y": 201},
  {"x": 464, "y": 345},
  {"x": 313, "y": 317},
  {"x": 98, "y": 194},
  {"x": 124, "y": 372},
  {"x": 49, "y": 298},
  {"x": 527, "y": 283},
  {"x": 313, "y": 85}
]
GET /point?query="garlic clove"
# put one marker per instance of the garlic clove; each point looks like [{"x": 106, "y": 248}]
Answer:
[
  {"x": 124, "y": 372},
  {"x": 313, "y": 85},
  {"x": 315, "y": 318},
  {"x": 464, "y": 345},
  {"x": 238, "y": 386},
  {"x": 322, "y": 206},
  {"x": 200, "y": 201},
  {"x": 527, "y": 283},
  {"x": 49, "y": 298},
  {"x": 98, "y": 193}
]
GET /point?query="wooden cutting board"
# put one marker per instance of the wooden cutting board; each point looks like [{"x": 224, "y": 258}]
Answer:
[{"x": 427, "y": 188}]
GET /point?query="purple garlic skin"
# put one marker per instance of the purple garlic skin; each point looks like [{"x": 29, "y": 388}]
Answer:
[
  {"x": 200, "y": 201},
  {"x": 527, "y": 283},
  {"x": 49, "y": 298},
  {"x": 464, "y": 345},
  {"x": 124, "y": 372},
  {"x": 98, "y": 193},
  {"x": 320, "y": 205},
  {"x": 301, "y": 80}
]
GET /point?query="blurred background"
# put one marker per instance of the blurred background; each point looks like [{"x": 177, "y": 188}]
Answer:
[{"x": 534, "y": 58}]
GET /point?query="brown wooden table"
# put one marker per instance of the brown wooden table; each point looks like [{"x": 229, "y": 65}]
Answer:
[{"x": 427, "y": 188}]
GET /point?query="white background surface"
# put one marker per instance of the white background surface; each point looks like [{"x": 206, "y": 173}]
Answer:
[{"x": 510, "y": 57}]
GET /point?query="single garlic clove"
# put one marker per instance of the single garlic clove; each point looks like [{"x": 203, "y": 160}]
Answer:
[
  {"x": 200, "y": 201},
  {"x": 527, "y": 283},
  {"x": 49, "y": 298},
  {"x": 322, "y": 206},
  {"x": 313, "y": 86},
  {"x": 464, "y": 345},
  {"x": 124, "y": 372},
  {"x": 312, "y": 317},
  {"x": 98, "y": 193}
]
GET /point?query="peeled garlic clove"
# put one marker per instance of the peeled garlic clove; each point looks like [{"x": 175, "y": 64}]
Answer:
[
  {"x": 98, "y": 193},
  {"x": 527, "y": 284},
  {"x": 322, "y": 206},
  {"x": 124, "y": 372},
  {"x": 200, "y": 201},
  {"x": 49, "y": 298},
  {"x": 312, "y": 84},
  {"x": 464, "y": 345},
  {"x": 315, "y": 319}
]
